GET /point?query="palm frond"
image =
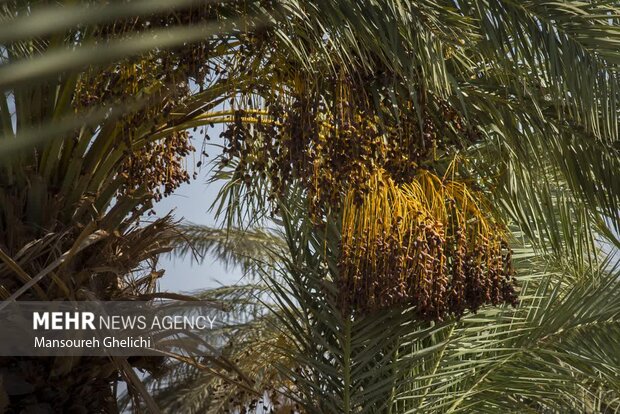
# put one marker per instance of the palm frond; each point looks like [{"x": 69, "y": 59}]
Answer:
[
  {"x": 232, "y": 247},
  {"x": 536, "y": 358}
]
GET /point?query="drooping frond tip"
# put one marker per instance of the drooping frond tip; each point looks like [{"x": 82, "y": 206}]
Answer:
[{"x": 430, "y": 243}]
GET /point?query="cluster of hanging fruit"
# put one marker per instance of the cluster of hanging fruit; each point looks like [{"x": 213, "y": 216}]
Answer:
[
  {"x": 408, "y": 236},
  {"x": 148, "y": 88},
  {"x": 428, "y": 243},
  {"x": 332, "y": 138},
  {"x": 158, "y": 167}
]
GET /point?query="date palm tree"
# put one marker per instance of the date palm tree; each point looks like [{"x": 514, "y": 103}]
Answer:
[
  {"x": 555, "y": 352},
  {"x": 458, "y": 130},
  {"x": 425, "y": 110},
  {"x": 87, "y": 145}
]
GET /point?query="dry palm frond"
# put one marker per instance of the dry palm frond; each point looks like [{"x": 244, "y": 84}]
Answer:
[
  {"x": 259, "y": 355},
  {"x": 430, "y": 243},
  {"x": 250, "y": 351}
]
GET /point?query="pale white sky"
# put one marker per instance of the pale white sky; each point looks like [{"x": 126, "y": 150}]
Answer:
[{"x": 191, "y": 202}]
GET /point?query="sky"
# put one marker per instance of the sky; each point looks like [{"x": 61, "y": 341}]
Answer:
[{"x": 191, "y": 203}]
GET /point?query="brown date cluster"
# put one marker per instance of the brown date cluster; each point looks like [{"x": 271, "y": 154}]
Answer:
[
  {"x": 158, "y": 166},
  {"x": 155, "y": 84},
  {"x": 335, "y": 142},
  {"x": 399, "y": 249},
  {"x": 330, "y": 139},
  {"x": 437, "y": 274}
]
